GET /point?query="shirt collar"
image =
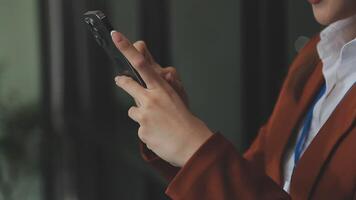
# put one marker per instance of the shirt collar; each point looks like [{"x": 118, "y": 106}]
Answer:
[
  {"x": 334, "y": 37},
  {"x": 337, "y": 50}
]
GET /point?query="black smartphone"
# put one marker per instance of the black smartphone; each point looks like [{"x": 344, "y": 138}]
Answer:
[{"x": 100, "y": 27}]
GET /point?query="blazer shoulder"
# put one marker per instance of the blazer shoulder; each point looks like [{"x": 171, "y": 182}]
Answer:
[
  {"x": 308, "y": 55},
  {"x": 303, "y": 66}
]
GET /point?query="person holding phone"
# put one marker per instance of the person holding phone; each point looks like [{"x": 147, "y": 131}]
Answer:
[{"x": 306, "y": 150}]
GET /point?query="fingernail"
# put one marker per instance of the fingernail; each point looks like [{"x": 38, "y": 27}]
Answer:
[
  {"x": 112, "y": 32},
  {"x": 116, "y": 37}
]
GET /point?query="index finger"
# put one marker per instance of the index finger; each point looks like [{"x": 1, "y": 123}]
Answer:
[{"x": 137, "y": 60}]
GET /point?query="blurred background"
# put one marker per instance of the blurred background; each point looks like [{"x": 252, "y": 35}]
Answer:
[{"x": 64, "y": 130}]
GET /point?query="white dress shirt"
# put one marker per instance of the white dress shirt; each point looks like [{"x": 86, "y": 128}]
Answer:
[{"x": 337, "y": 50}]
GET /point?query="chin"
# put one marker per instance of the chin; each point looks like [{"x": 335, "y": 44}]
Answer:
[
  {"x": 329, "y": 11},
  {"x": 324, "y": 17},
  {"x": 323, "y": 20}
]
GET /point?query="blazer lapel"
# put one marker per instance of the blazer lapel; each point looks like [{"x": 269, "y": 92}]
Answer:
[
  {"x": 286, "y": 120},
  {"x": 310, "y": 167},
  {"x": 287, "y": 116}
]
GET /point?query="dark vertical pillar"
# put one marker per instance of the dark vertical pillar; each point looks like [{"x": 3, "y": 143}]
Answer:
[
  {"x": 264, "y": 61},
  {"x": 155, "y": 28},
  {"x": 79, "y": 103}
]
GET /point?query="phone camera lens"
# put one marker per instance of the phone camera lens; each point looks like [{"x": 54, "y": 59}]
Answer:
[{"x": 87, "y": 20}]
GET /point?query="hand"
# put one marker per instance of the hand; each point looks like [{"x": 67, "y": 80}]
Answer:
[
  {"x": 168, "y": 73},
  {"x": 167, "y": 127}
]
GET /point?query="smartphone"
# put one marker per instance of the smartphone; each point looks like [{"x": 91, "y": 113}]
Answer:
[{"x": 100, "y": 27}]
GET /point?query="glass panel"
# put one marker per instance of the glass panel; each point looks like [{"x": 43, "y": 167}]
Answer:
[{"x": 19, "y": 100}]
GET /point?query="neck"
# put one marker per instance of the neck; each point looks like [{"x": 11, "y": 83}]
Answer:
[{"x": 349, "y": 31}]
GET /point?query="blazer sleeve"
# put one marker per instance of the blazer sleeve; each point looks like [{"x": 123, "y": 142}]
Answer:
[
  {"x": 165, "y": 169},
  {"x": 218, "y": 171}
]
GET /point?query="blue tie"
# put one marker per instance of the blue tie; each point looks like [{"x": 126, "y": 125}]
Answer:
[{"x": 306, "y": 127}]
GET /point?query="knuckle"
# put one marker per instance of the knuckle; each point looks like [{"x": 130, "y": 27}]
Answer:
[
  {"x": 142, "y": 134},
  {"x": 137, "y": 116},
  {"x": 152, "y": 101},
  {"x": 124, "y": 45},
  {"x": 131, "y": 112},
  {"x": 139, "y": 62}
]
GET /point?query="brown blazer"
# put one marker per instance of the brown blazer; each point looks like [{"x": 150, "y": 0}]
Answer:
[{"x": 327, "y": 170}]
